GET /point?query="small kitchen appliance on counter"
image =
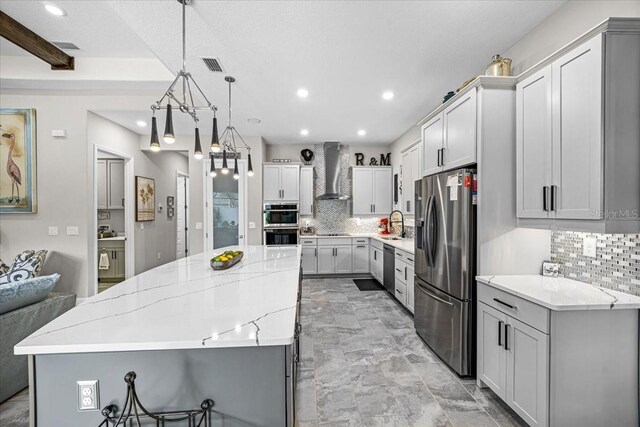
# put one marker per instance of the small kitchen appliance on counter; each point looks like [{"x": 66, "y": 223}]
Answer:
[
  {"x": 105, "y": 231},
  {"x": 307, "y": 229}
]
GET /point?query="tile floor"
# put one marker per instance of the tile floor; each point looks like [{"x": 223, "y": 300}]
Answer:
[{"x": 362, "y": 364}]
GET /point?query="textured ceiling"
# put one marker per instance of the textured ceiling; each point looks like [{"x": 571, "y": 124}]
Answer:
[
  {"x": 93, "y": 26},
  {"x": 345, "y": 53}
]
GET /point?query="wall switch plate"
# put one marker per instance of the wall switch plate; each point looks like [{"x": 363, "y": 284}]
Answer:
[
  {"x": 142, "y": 226},
  {"x": 159, "y": 255},
  {"x": 88, "y": 396},
  {"x": 252, "y": 225},
  {"x": 58, "y": 133},
  {"x": 589, "y": 247},
  {"x": 198, "y": 226},
  {"x": 72, "y": 230},
  {"x": 53, "y": 231}
]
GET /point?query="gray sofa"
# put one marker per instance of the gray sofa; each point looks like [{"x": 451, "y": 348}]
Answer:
[{"x": 18, "y": 324}]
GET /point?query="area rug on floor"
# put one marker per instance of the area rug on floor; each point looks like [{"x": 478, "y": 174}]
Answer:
[{"x": 368, "y": 285}]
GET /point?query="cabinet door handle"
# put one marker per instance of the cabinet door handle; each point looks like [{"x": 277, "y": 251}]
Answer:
[
  {"x": 544, "y": 198},
  {"x": 408, "y": 209},
  {"x": 506, "y": 337},
  {"x": 399, "y": 291},
  {"x": 374, "y": 208},
  {"x": 405, "y": 274},
  {"x": 442, "y": 157},
  {"x": 360, "y": 246},
  {"x": 553, "y": 197},
  {"x": 375, "y": 255},
  {"x": 398, "y": 270},
  {"x": 500, "y": 325},
  {"x": 512, "y": 307},
  {"x": 123, "y": 202},
  {"x": 315, "y": 252}
]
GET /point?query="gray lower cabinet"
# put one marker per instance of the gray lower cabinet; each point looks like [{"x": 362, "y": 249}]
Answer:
[
  {"x": 558, "y": 368},
  {"x": 310, "y": 259},
  {"x": 114, "y": 250},
  {"x": 334, "y": 259},
  {"x": 361, "y": 258}
]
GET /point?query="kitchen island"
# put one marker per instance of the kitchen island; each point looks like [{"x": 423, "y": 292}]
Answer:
[{"x": 188, "y": 332}]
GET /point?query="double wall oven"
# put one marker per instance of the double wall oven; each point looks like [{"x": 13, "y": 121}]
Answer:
[{"x": 281, "y": 224}]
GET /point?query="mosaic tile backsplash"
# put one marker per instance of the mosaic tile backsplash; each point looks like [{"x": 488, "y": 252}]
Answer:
[
  {"x": 334, "y": 216},
  {"x": 616, "y": 265}
]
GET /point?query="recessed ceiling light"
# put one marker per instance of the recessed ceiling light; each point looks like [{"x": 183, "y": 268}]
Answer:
[
  {"x": 141, "y": 123},
  {"x": 362, "y": 132},
  {"x": 304, "y": 132},
  {"x": 303, "y": 93},
  {"x": 54, "y": 10},
  {"x": 388, "y": 95},
  {"x": 254, "y": 121}
]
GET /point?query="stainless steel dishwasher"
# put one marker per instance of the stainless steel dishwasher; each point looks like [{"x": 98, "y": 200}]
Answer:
[{"x": 389, "y": 277}]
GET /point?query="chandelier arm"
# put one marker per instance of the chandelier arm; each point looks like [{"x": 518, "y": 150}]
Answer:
[
  {"x": 170, "y": 89},
  {"x": 193, "y": 104},
  {"x": 213, "y": 107},
  {"x": 224, "y": 137},
  {"x": 184, "y": 49},
  {"x": 242, "y": 139},
  {"x": 229, "y": 103},
  {"x": 233, "y": 139},
  {"x": 184, "y": 107}
]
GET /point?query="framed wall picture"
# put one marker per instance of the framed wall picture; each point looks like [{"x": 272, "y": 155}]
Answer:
[
  {"x": 18, "y": 161},
  {"x": 145, "y": 199}
]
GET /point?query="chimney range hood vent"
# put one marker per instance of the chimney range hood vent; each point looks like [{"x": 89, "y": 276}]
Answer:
[{"x": 332, "y": 172}]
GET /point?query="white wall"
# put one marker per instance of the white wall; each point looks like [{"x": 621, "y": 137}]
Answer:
[
  {"x": 196, "y": 181},
  {"x": 292, "y": 151},
  {"x": 159, "y": 236},
  {"x": 567, "y": 23}
]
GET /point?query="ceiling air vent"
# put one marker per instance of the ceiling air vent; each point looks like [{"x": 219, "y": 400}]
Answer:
[
  {"x": 213, "y": 64},
  {"x": 66, "y": 45}
]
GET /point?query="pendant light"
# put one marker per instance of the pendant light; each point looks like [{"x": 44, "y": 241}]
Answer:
[
  {"x": 236, "y": 174},
  {"x": 184, "y": 100},
  {"x": 225, "y": 168},
  {"x": 212, "y": 170},
  {"x": 250, "y": 170},
  {"x": 197, "y": 151},
  {"x": 227, "y": 142},
  {"x": 169, "y": 136},
  {"x": 215, "y": 141},
  {"x": 154, "y": 144}
]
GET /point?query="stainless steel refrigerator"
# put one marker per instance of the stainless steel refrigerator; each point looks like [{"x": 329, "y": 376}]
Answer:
[{"x": 445, "y": 264}]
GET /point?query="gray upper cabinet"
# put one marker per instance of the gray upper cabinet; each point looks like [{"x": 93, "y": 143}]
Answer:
[
  {"x": 372, "y": 190},
  {"x": 432, "y": 138},
  {"x": 410, "y": 174},
  {"x": 578, "y": 134},
  {"x": 281, "y": 183},
  {"x": 110, "y": 183},
  {"x": 533, "y": 144},
  {"x": 576, "y": 192},
  {"x": 306, "y": 190},
  {"x": 459, "y": 146}
]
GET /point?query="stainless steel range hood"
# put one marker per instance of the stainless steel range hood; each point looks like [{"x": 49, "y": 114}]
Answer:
[{"x": 332, "y": 172}]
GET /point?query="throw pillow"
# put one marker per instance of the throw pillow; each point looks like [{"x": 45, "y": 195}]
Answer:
[
  {"x": 16, "y": 295},
  {"x": 25, "y": 266}
]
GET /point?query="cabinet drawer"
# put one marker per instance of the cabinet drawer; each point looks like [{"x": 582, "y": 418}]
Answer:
[
  {"x": 335, "y": 241},
  {"x": 527, "y": 312},
  {"x": 360, "y": 241},
  {"x": 306, "y": 241},
  {"x": 409, "y": 259},
  {"x": 377, "y": 244},
  {"x": 401, "y": 292},
  {"x": 400, "y": 270},
  {"x": 400, "y": 255}
]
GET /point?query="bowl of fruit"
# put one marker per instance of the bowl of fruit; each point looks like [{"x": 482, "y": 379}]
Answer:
[{"x": 226, "y": 259}]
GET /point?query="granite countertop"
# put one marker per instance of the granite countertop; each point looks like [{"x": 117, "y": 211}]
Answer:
[
  {"x": 558, "y": 293},
  {"x": 184, "y": 304},
  {"x": 405, "y": 244}
]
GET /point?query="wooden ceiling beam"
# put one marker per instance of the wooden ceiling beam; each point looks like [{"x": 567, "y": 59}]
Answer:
[{"x": 20, "y": 35}]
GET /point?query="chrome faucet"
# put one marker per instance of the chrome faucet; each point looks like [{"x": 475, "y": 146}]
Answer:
[{"x": 401, "y": 216}]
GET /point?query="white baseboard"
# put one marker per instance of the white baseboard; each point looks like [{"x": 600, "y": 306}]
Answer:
[{"x": 80, "y": 301}]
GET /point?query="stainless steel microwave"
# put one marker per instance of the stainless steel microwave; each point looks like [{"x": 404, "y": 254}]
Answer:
[{"x": 280, "y": 215}]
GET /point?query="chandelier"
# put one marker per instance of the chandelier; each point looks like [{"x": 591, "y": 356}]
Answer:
[
  {"x": 184, "y": 103},
  {"x": 228, "y": 144}
]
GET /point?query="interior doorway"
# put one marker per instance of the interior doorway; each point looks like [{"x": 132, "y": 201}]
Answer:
[
  {"x": 182, "y": 215},
  {"x": 225, "y": 207},
  {"x": 113, "y": 248}
]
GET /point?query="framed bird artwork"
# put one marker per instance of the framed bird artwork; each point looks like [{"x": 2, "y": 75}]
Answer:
[{"x": 18, "y": 160}]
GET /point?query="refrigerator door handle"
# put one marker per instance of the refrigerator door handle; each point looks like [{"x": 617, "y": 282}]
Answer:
[
  {"x": 425, "y": 231},
  {"x": 429, "y": 294},
  {"x": 432, "y": 232}
]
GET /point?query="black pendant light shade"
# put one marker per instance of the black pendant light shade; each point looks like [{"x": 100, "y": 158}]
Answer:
[
  {"x": 215, "y": 141},
  {"x": 154, "y": 144},
  {"x": 212, "y": 171},
  {"x": 197, "y": 151},
  {"x": 250, "y": 170},
  {"x": 236, "y": 174},
  {"x": 225, "y": 168},
  {"x": 169, "y": 136}
]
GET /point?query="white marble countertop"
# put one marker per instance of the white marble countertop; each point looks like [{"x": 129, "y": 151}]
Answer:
[
  {"x": 113, "y": 238},
  {"x": 184, "y": 304},
  {"x": 405, "y": 244},
  {"x": 557, "y": 293}
]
